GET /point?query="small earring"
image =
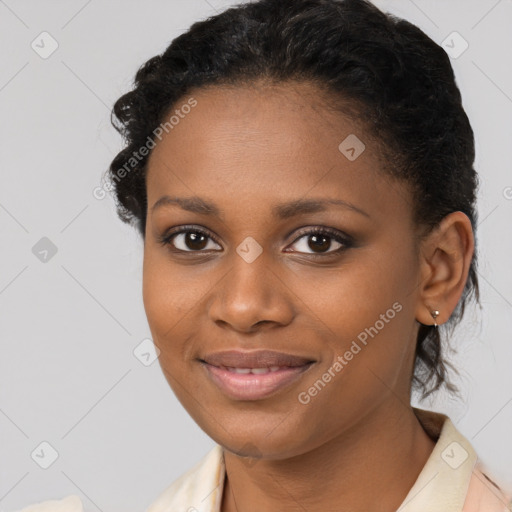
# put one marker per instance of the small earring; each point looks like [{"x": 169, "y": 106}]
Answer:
[{"x": 434, "y": 315}]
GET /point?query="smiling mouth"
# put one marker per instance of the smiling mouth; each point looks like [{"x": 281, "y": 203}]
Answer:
[{"x": 254, "y": 375}]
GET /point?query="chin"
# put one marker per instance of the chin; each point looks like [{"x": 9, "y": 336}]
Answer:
[{"x": 260, "y": 443}]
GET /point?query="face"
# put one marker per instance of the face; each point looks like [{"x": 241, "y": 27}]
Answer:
[{"x": 262, "y": 235}]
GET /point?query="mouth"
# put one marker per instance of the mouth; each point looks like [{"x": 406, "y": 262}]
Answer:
[{"x": 254, "y": 375}]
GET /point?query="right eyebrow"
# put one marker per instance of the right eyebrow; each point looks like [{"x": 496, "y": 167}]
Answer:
[{"x": 192, "y": 204}]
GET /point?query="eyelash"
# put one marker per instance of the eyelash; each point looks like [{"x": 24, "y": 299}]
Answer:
[{"x": 345, "y": 240}]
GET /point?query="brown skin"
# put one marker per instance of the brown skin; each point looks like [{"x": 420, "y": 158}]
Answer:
[{"x": 357, "y": 442}]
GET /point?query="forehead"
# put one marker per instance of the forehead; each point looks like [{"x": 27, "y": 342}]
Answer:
[
  {"x": 265, "y": 142},
  {"x": 290, "y": 116}
]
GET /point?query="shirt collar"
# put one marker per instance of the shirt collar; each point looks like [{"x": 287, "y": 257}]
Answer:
[{"x": 444, "y": 480}]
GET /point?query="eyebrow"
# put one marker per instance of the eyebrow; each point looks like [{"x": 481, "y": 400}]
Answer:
[{"x": 283, "y": 210}]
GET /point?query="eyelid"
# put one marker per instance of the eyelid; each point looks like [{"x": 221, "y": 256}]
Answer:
[{"x": 332, "y": 232}]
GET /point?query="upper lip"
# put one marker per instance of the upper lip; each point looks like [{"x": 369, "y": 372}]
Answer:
[{"x": 254, "y": 359}]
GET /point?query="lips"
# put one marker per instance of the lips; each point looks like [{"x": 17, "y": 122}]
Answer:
[
  {"x": 255, "y": 359},
  {"x": 254, "y": 375}
]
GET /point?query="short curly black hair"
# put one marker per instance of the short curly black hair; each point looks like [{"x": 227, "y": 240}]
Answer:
[{"x": 399, "y": 82}]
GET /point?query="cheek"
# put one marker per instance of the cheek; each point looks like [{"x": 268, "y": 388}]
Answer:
[
  {"x": 352, "y": 297},
  {"x": 368, "y": 308},
  {"x": 169, "y": 310},
  {"x": 166, "y": 299}
]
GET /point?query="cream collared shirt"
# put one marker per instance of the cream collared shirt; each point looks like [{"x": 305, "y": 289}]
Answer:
[{"x": 452, "y": 480}]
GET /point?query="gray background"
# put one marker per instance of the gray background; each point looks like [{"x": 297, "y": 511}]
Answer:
[{"x": 70, "y": 324}]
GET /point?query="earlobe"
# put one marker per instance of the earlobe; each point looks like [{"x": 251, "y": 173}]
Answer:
[
  {"x": 446, "y": 256},
  {"x": 422, "y": 316}
]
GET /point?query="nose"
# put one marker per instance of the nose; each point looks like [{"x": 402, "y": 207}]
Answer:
[{"x": 251, "y": 296}]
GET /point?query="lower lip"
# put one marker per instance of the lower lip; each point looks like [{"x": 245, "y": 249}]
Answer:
[{"x": 251, "y": 386}]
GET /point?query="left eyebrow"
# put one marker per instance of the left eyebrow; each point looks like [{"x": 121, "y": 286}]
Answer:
[
  {"x": 301, "y": 206},
  {"x": 283, "y": 210}
]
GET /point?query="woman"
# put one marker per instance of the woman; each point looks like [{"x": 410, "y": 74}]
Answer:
[{"x": 301, "y": 172}]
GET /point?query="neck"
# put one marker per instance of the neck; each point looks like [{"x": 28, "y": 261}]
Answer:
[{"x": 371, "y": 467}]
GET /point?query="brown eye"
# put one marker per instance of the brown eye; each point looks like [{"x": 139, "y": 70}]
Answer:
[
  {"x": 317, "y": 243},
  {"x": 321, "y": 241},
  {"x": 195, "y": 241},
  {"x": 189, "y": 240}
]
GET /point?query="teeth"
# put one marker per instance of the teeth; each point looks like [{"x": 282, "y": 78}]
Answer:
[
  {"x": 239, "y": 370},
  {"x": 256, "y": 371},
  {"x": 260, "y": 370}
]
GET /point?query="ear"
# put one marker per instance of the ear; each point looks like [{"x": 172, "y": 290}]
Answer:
[{"x": 445, "y": 258}]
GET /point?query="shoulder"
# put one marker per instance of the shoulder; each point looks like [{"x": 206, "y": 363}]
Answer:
[
  {"x": 484, "y": 495},
  {"x": 70, "y": 503},
  {"x": 199, "y": 489}
]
